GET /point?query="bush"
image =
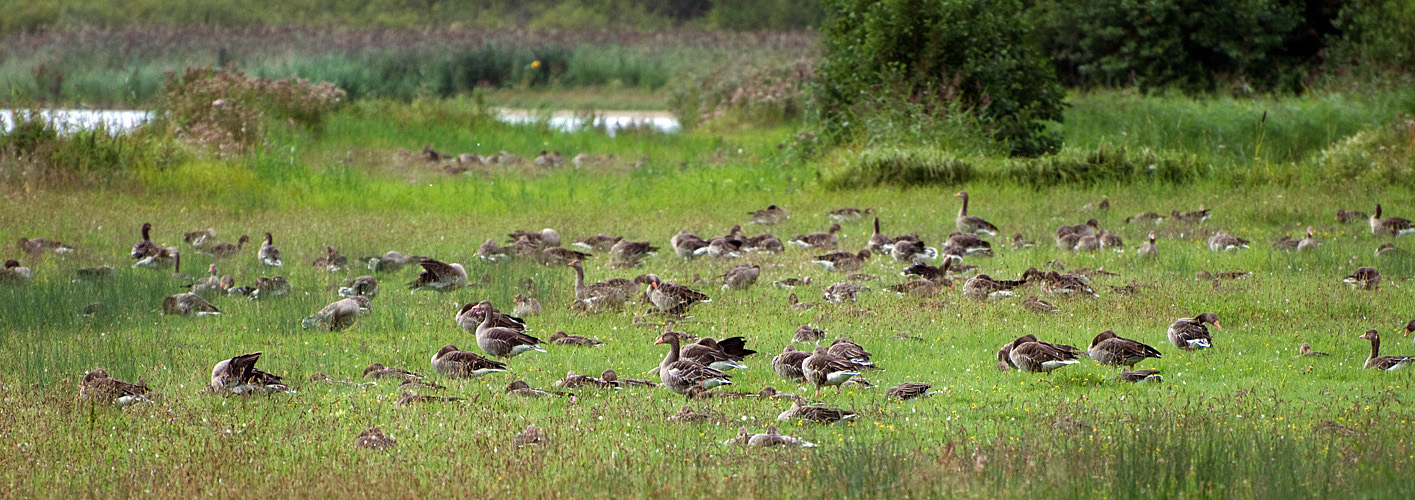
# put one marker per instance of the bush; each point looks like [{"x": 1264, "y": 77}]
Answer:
[
  {"x": 763, "y": 93},
  {"x": 229, "y": 112},
  {"x": 1379, "y": 155},
  {"x": 1376, "y": 36},
  {"x": 973, "y": 53},
  {"x": 903, "y": 167}
]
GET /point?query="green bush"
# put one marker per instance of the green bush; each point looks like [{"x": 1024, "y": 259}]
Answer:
[
  {"x": 1376, "y": 36},
  {"x": 972, "y": 53},
  {"x": 229, "y": 112},
  {"x": 903, "y": 167},
  {"x": 1379, "y": 155}
]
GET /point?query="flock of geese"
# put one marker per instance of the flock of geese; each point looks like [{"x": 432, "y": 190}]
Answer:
[{"x": 698, "y": 368}]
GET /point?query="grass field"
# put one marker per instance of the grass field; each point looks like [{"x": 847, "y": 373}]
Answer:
[{"x": 1242, "y": 420}]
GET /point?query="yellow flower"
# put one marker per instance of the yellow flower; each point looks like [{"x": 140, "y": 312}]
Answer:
[{"x": 535, "y": 64}]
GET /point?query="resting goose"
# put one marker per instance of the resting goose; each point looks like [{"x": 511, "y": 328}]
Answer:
[
  {"x": 597, "y": 243},
  {"x": 772, "y": 438},
  {"x": 1146, "y": 217},
  {"x": 796, "y": 303},
  {"x": 239, "y": 375},
  {"x": 269, "y": 255},
  {"x": 1034, "y": 304},
  {"x": 912, "y": 252},
  {"x": 1365, "y": 278},
  {"x": 562, "y": 338},
  {"x": 331, "y": 261},
  {"x": 772, "y": 214},
  {"x": 823, "y": 369},
  {"x": 146, "y": 248},
  {"x": 843, "y": 262},
  {"x": 1190, "y": 333},
  {"x": 1390, "y": 250},
  {"x": 1306, "y": 352},
  {"x": 983, "y": 286},
  {"x": 39, "y": 246},
  {"x": 451, "y": 362},
  {"x": 1222, "y": 241},
  {"x": 631, "y": 251},
  {"x": 559, "y": 256},
  {"x": 1377, "y": 362},
  {"x": 521, "y": 388},
  {"x": 1149, "y": 248},
  {"x": 843, "y": 292},
  {"x": 686, "y": 245},
  {"x": 574, "y": 380},
  {"x": 98, "y": 386},
  {"x": 374, "y": 438},
  {"x": 388, "y": 262},
  {"x": 212, "y": 284},
  {"x": 818, "y": 240},
  {"x": 1109, "y": 349},
  {"x": 787, "y": 365},
  {"x": 1196, "y": 216},
  {"x": 686, "y": 415},
  {"x": 708, "y": 352},
  {"x": 269, "y": 287},
  {"x": 502, "y": 342},
  {"x": 90, "y": 273},
  {"x": 1390, "y": 226},
  {"x": 818, "y": 414},
  {"x": 198, "y": 239},
  {"x": 765, "y": 242},
  {"x": 680, "y": 375},
  {"x": 918, "y": 288},
  {"x": 720, "y": 247},
  {"x": 1067, "y": 237},
  {"x": 1345, "y": 216},
  {"x": 364, "y": 286},
  {"x": 438, "y": 276},
  {"x": 188, "y": 304},
  {"x": 878, "y": 241},
  {"x": 489, "y": 251},
  {"x": 377, "y": 370},
  {"x": 848, "y": 214},
  {"x": 741, "y": 277},
  {"x": 1031, "y": 355},
  {"x": 162, "y": 259},
  {"x": 971, "y": 224},
  {"x": 338, "y": 315},
  {"x": 525, "y": 306},
  {"x": 14, "y": 274},
  {"x": 1108, "y": 239},
  {"x": 227, "y": 250},
  {"x": 410, "y": 397},
  {"x": 610, "y": 376},
  {"x": 541, "y": 240},
  {"x": 670, "y": 298},
  {"x": 970, "y": 243},
  {"x": 909, "y": 390},
  {"x": 1019, "y": 242},
  {"x": 1138, "y": 376},
  {"x": 1055, "y": 283},
  {"x": 924, "y": 271},
  {"x": 469, "y": 317}
]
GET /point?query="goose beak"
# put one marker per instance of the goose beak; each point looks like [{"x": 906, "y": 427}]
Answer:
[{"x": 1216, "y": 325}]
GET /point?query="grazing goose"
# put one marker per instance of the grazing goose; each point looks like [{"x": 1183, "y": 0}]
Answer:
[
  {"x": 364, "y": 286},
  {"x": 502, "y": 342},
  {"x": 377, "y": 370},
  {"x": 521, "y": 388},
  {"x": 686, "y": 245},
  {"x": 1031, "y": 355},
  {"x": 848, "y": 349},
  {"x": 1222, "y": 241},
  {"x": 818, "y": 414},
  {"x": 331, "y": 261},
  {"x": 98, "y": 386},
  {"x": 373, "y": 438},
  {"x": 1004, "y": 358},
  {"x": 1365, "y": 278},
  {"x": 1345, "y": 216},
  {"x": 843, "y": 262},
  {"x": 824, "y": 369},
  {"x": 438, "y": 276},
  {"x": 827, "y": 239},
  {"x": 1034, "y": 304},
  {"x": 562, "y": 338},
  {"x": 269, "y": 255},
  {"x": 451, "y": 362},
  {"x": 146, "y": 248},
  {"x": 848, "y": 214},
  {"x": 1390, "y": 226},
  {"x": 227, "y": 250},
  {"x": 525, "y": 306},
  {"x": 765, "y": 242},
  {"x": 14, "y": 274},
  {"x": 1149, "y": 248},
  {"x": 972, "y": 224},
  {"x": 1306, "y": 351},
  {"x": 1190, "y": 333},
  {"x": 796, "y": 303},
  {"x": 265, "y": 288},
  {"x": 609, "y": 376},
  {"x": 909, "y": 390},
  {"x": 772, "y": 214},
  {"x": 1196, "y": 216},
  {"x": 338, "y": 315},
  {"x": 680, "y": 375},
  {"x": 670, "y": 298},
  {"x": 843, "y": 292},
  {"x": 1390, "y": 250},
  {"x": 1138, "y": 376},
  {"x": 740, "y": 277},
  {"x": 39, "y": 246},
  {"x": 574, "y": 380},
  {"x": 1377, "y": 362},
  {"x": 410, "y": 397},
  {"x": 1146, "y": 217},
  {"x": 787, "y": 365},
  {"x": 489, "y": 251},
  {"x": 983, "y": 286},
  {"x": 239, "y": 375},
  {"x": 1112, "y": 350},
  {"x": 188, "y": 304},
  {"x": 1019, "y": 242}
]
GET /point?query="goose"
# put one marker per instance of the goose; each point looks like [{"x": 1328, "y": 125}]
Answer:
[
  {"x": 1031, "y": 355},
  {"x": 680, "y": 375},
  {"x": 338, "y": 315},
  {"x": 1346, "y": 216},
  {"x": 430, "y": 155},
  {"x": 438, "y": 276},
  {"x": 364, "y": 286},
  {"x": 843, "y": 262},
  {"x": 823, "y": 369},
  {"x": 1138, "y": 376},
  {"x": 521, "y": 388},
  {"x": 848, "y": 214},
  {"x": 1103, "y": 206},
  {"x": 848, "y": 349},
  {"x": 542, "y": 239},
  {"x": 1068, "y": 236},
  {"x": 1389, "y": 226},
  {"x": 239, "y": 375},
  {"x": 924, "y": 271},
  {"x": 145, "y": 248},
  {"x": 548, "y": 160},
  {"x": 983, "y": 286},
  {"x": 162, "y": 259},
  {"x": 765, "y": 242},
  {"x": 1377, "y": 362},
  {"x": 772, "y": 214},
  {"x": 827, "y": 239},
  {"x": 819, "y": 414},
  {"x": 212, "y": 284},
  {"x": 1222, "y": 241},
  {"x": 879, "y": 243},
  {"x": 525, "y": 306},
  {"x": 1004, "y": 358},
  {"x": 610, "y": 376},
  {"x": 469, "y": 317},
  {"x": 1019, "y": 242},
  {"x": 502, "y": 342},
  {"x": 489, "y": 251},
  {"x": 1055, "y": 283},
  {"x": 1225, "y": 275},
  {"x": 91, "y": 274},
  {"x": 14, "y": 274},
  {"x": 670, "y": 298},
  {"x": 411, "y": 397},
  {"x": 265, "y": 288},
  {"x": 1308, "y": 243},
  {"x": 909, "y": 390},
  {"x": 740, "y": 277},
  {"x": 559, "y": 256},
  {"x": 971, "y": 224},
  {"x": 597, "y": 243},
  {"x": 1149, "y": 248},
  {"x": 631, "y": 251},
  {"x": 970, "y": 243},
  {"x": 269, "y": 255},
  {"x": 708, "y": 352},
  {"x": 1190, "y": 333},
  {"x": 686, "y": 415},
  {"x": 451, "y": 362},
  {"x": 532, "y": 436},
  {"x": 1409, "y": 328},
  {"x": 331, "y": 261},
  {"x": 562, "y": 338},
  {"x": 198, "y": 239},
  {"x": 574, "y": 380},
  {"x": 1196, "y": 216},
  {"x": 796, "y": 303},
  {"x": 787, "y": 365},
  {"x": 1034, "y": 304},
  {"x": 720, "y": 247},
  {"x": 374, "y": 438},
  {"x": 1145, "y": 217},
  {"x": 389, "y": 262},
  {"x": 1088, "y": 243},
  {"x": 771, "y": 438},
  {"x": 39, "y": 246},
  {"x": 1108, "y": 239},
  {"x": 1109, "y": 349},
  {"x": 918, "y": 288},
  {"x": 685, "y": 244},
  {"x": 378, "y": 370},
  {"x": 791, "y": 283},
  {"x": 188, "y": 304},
  {"x": 912, "y": 252},
  {"x": 1306, "y": 352},
  {"x": 843, "y": 292},
  {"x": 1390, "y": 250},
  {"x": 1365, "y": 278},
  {"x": 99, "y": 387},
  {"x": 227, "y": 250}
]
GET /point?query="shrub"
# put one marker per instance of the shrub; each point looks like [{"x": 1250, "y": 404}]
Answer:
[
  {"x": 974, "y": 52},
  {"x": 1383, "y": 154},
  {"x": 764, "y": 93},
  {"x": 228, "y": 112},
  {"x": 1376, "y": 35},
  {"x": 904, "y": 167}
]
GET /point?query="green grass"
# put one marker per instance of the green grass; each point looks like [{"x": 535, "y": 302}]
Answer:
[{"x": 1243, "y": 420}]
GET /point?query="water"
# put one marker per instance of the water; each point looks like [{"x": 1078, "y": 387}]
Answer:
[{"x": 68, "y": 120}]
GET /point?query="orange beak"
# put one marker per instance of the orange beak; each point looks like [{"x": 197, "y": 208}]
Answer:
[
  {"x": 654, "y": 285},
  {"x": 1216, "y": 325},
  {"x": 659, "y": 341}
]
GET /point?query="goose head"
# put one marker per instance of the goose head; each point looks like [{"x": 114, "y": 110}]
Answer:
[
  {"x": 1209, "y": 318},
  {"x": 1102, "y": 337},
  {"x": 376, "y": 367}
]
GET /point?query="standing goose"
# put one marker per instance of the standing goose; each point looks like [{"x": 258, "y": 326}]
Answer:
[
  {"x": 1390, "y": 226},
  {"x": 1031, "y": 355},
  {"x": 269, "y": 255},
  {"x": 1112, "y": 350},
  {"x": 819, "y": 414},
  {"x": 188, "y": 304},
  {"x": 502, "y": 342},
  {"x": 365, "y": 286},
  {"x": 843, "y": 262},
  {"x": 741, "y": 277},
  {"x": 670, "y": 298},
  {"x": 39, "y": 246},
  {"x": 824, "y": 369},
  {"x": 879, "y": 243},
  {"x": 227, "y": 250},
  {"x": 787, "y": 365},
  {"x": 827, "y": 239},
  {"x": 1149, "y": 248},
  {"x": 145, "y": 248},
  {"x": 1308, "y": 243},
  {"x": 13, "y": 273},
  {"x": 1365, "y": 278},
  {"x": 338, "y": 315},
  {"x": 707, "y": 352},
  {"x": 848, "y": 349},
  {"x": 1377, "y": 362},
  {"x": 469, "y": 317},
  {"x": 239, "y": 375},
  {"x": 1190, "y": 333},
  {"x": 681, "y": 375},
  {"x": 972, "y": 224},
  {"x": 1222, "y": 241},
  {"x": 439, "y": 276},
  {"x": 451, "y": 362},
  {"x": 98, "y": 386}
]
